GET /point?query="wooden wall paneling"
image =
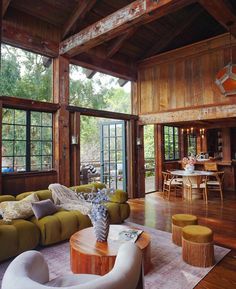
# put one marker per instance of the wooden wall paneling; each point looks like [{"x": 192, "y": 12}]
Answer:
[
  {"x": 16, "y": 183},
  {"x": 141, "y": 161},
  {"x": 186, "y": 78},
  {"x": 1, "y": 147},
  {"x": 226, "y": 141},
  {"x": 159, "y": 155},
  {"x": 75, "y": 148},
  {"x": 61, "y": 125},
  {"x": 132, "y": 176}
]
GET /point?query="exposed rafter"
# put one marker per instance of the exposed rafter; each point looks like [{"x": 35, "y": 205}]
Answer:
[
  {"x": 222, "y": 12},
  {"x": 167, "y": 38},
  {"x": 89, "y": 73},
  {"x": 117, "y": 44},
  {"x": 80, "y": 11},
  {"x": 5, "y": 4},
  {"x": 137, "y": 13},
  {"x": 122, "y": 82},
  {"x": 104, "y": 65}
]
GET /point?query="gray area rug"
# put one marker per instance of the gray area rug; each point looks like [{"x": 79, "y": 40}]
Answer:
[{"x": 168, "y": 270}]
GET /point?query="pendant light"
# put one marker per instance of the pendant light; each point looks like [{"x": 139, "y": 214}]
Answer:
[{"x": 226, "y": 77}]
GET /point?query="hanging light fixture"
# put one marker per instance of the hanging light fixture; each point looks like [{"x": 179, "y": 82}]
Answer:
[{"x": 226, "y": 77}]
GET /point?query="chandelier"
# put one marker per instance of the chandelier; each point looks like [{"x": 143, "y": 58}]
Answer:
[{"x": 226, "y": 77}]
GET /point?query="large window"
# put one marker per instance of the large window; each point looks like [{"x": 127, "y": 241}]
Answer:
[
  {"x": 171, "y": 143},
  {"x": 27, "y": 143}
]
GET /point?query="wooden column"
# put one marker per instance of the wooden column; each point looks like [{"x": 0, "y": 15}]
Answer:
[
  {"x": 1, "y": 147},
  {"x": 159, "y": 155},
  {"x": 75, "y": 148},
  {"x": 132, "y": 174},
  {"x": 61, "y": 119},
  {"x": 226, "y": 144},
  {"x": 140, "y": 167}
]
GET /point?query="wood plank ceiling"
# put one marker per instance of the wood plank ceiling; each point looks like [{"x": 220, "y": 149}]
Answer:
[{"x": 172, "y": 25}]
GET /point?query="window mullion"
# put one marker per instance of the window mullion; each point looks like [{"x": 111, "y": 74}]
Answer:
[{"x": 28, "y": 141}]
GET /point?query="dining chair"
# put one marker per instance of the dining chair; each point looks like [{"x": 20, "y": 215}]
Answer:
[
  {"x": 200, "y": 183},
  {"x": 215, "y": 183},
  {"x": 171, "y": 183}
]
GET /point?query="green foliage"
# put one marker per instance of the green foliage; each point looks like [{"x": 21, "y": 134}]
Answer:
[{"x": 24, "y": 75}]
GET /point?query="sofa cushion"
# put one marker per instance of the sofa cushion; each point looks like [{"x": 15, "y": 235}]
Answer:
[
  {"x": 43, "y": 208},
  {"x": 88, "y": 188},
  {"x": 57, "y": 227},
  {"x": 42, "y": 195},
  {"x": 20, "y": 236},
  {"x": 119, "y": 196},
  {"x": 5, "y": 198},
  {"x": 18, "y": 209}
]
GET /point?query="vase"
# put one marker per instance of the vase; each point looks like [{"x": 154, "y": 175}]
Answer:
[
  {"x": 189, "y": 168},
  {"x": 101, "y": 227}
]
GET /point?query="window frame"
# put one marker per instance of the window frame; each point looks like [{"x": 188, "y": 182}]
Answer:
[
  {"x": 28, "y": 154},
  {"x": 192, "y": 142},
  {"x": 175, "y": 141}
]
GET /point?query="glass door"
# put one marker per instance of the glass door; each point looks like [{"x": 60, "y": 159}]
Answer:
[{"x": 113, "y": 154}]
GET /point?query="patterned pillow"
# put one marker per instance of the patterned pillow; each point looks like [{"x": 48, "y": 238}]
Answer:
[{"x": 18, "y": 209}]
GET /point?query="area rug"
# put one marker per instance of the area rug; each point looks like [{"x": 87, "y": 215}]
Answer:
[{"x": 168, "y": 270}]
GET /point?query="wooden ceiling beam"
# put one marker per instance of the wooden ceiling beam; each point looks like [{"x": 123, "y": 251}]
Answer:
[
  {"x": 136, "y": 13},
  {"x": 80, "y": 11},
  {"x": 5, "y": 4},
  {"x": 159, "y": 45},
  {"x": 108, "y": 66},
  {"x": 22, "y": 39},
  {"x": 222, "y": 12},
  {"x": 89, "y": 73},
  {"x": 122, "y": 82},
  {"x": 117, "y": 44}
]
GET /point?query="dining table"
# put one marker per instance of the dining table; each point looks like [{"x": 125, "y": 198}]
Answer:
[{"x": 195, "y": 178}]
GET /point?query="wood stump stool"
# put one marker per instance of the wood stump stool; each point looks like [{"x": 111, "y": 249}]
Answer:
[
  {"x": 178, "y": 222},
  {"x": 198, "y": 249}
]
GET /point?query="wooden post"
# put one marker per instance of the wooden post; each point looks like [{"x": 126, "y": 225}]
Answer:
[
  {"x": 75, "y": 148},
  {"x": 140, "y": 167},
  {"x": 61, "y": 119},
  {"x": 132, "y": 175},
  {"x": 226, "y": 144},
  {"x": 1, "y": 147},
  {"x": 159, "y": 155}
]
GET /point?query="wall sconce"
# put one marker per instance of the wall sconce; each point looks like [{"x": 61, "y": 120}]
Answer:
[
  {"x": 74, "y": 140},
  {"x": 202, "y": 132},
  {"x": 138, "y": 141}
]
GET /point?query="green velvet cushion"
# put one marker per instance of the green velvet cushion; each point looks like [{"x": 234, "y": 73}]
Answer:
[
  {"x": 88, "y": 188},
  {"x": 57, "y": 227},
  {"x": 19, "y": 236},
  {"x": 124, "y": 211},
  {"x": 42, "y": 195},
  {"x": 114, "y": 212},
  {"x": 119, "y": 197},
  {"x": 182, "y": 220},
  {"x": 197, "y": 234},
  {"x": 6, "y": 198}
]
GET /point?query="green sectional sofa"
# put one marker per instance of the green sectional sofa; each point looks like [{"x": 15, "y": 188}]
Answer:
[{"x": 21, "y": 235}]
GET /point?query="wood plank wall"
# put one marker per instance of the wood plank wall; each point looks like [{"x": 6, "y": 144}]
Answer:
[{"x": 183, "y": 78}]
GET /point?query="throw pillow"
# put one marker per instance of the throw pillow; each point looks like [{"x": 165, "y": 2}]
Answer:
[
  {"x": 11, "y": 210},
  {"x": 43, "y": 208}
]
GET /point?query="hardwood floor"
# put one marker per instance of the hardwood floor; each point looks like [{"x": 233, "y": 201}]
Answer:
[{"x": 154, "y": 211}]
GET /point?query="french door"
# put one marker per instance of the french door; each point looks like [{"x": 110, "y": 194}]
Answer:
[{"x": 113, "y": 154}]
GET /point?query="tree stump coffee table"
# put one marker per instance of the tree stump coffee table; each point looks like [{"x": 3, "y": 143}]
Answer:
[{"x": 92, "y": 257}]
